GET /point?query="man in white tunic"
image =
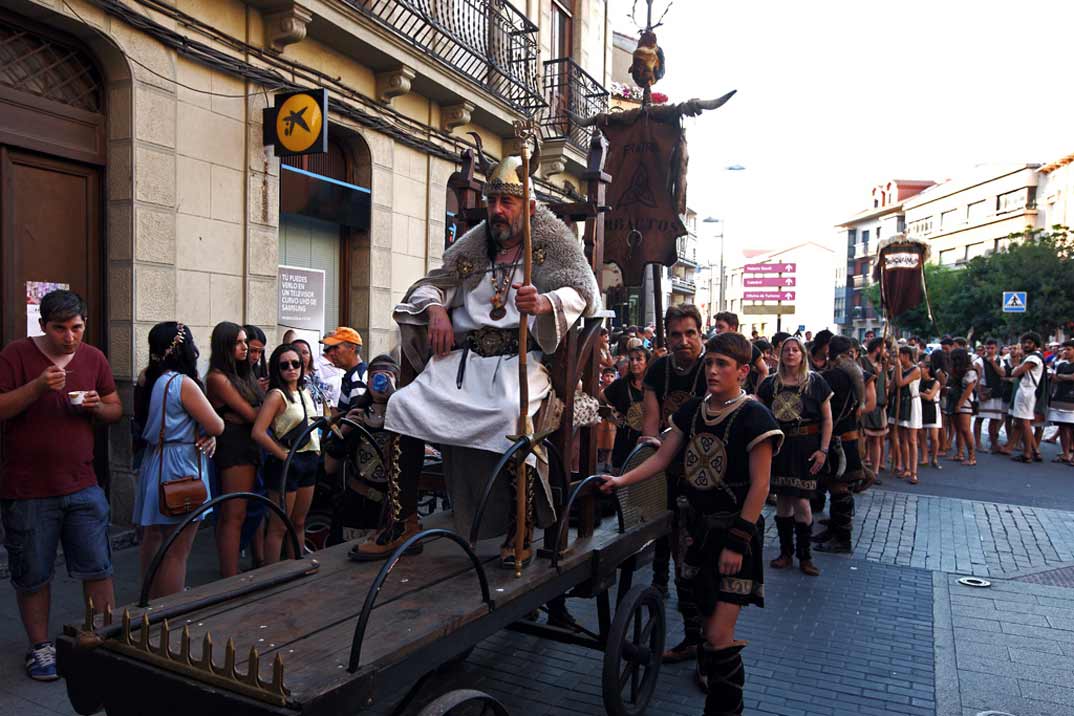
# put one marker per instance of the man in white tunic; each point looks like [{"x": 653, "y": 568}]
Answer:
[{"x": 460, "y": 329}]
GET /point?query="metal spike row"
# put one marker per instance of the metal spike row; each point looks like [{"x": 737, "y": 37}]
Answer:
[{"x": 184, "y": 661}]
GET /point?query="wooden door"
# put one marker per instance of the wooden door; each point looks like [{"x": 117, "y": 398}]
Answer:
[{"x": 49, "y": 231}]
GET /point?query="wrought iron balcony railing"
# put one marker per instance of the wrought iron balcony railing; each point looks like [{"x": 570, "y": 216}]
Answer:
[
  {"x": 570, "y": 94},
  {"x": 682, "y": 285},
  {"x": 487, "y": 41}
]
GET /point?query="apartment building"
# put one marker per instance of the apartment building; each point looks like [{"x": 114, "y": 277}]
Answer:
[{"x": 132, "y": 152}]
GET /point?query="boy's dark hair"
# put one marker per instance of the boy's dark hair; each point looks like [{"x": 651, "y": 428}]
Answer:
[
  {"x": 837, "y": 346},
  {"x": 906, "y": 350},
  {"x": 729, "y": 318},
  {"x": 874, "y": 344},
  {"x": 820, "y": 340},
  {"x": 947, "y": 341},
  {"x": 1067, "y": 344},
  {"x": 762, "y": 344},
  {"x": 1032, "y": 336},
  {"x": 990, "y": 341},
  {"x": 62, "y": 305},
  {"x": 779, "y": 337},
  {"x": 678, "y": 313},
  {"x": 733, "y": 345},
  {"x": 609, "y": 369}
]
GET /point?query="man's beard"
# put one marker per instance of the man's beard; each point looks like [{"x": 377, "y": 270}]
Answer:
[{"x": 503, "y": 233}]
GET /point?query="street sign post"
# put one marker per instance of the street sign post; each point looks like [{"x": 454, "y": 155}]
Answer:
[
  {"x": 787, "y": 267},
  {"x": 778, "y": 310},
  {"x": 1014, "y": 301},
  {"x": 774, "y": 281},
  {"x": 768, "y": 295},
  {"x": 778, "y": 275}
]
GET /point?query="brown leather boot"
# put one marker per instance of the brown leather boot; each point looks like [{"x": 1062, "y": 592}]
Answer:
[
  {"x": 785, "y": 529},
  {"x": 804, "y": 551},
  {"x": 383, "y": 543}
]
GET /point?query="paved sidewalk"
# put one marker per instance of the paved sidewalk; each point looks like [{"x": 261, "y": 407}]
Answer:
[
  {"x": 887, "y": 630},
  {"x": 1009, "y": 648},
  {"x": 958, "y": 536}
]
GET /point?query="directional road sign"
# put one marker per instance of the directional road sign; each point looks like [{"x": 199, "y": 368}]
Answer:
[
  {"x": 777, "y": 281},
  {"x": 768, "y": 295},
  {"x": 753, "y": 309},
  {"x": 1014, "y": 301},
  {"x": 786, "y": 267}
]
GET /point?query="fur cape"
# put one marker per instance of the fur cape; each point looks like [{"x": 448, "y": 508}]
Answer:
[{"x": 558, "y": 261}]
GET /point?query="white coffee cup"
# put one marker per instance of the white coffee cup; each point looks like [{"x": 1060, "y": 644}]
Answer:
[{"x": 76, "y": 397}]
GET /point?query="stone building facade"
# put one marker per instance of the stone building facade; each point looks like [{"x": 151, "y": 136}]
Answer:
[{"x": 131, "y": 151}]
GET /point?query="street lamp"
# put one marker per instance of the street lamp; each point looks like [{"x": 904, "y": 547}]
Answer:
[
  {"x": 723, "y": 227},
  {"x": 719, "y": 303}
]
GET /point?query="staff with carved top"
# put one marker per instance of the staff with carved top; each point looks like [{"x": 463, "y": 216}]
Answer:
[{"x": 524, "y": 131}]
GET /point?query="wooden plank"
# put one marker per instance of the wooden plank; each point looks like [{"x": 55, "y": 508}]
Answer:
[{"x": 761, "y": 310}]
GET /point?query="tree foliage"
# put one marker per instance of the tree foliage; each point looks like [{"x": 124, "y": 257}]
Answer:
[{"x": 969, "y": 298}]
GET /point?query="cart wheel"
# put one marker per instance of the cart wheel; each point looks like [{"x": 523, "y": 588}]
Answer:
[
  {"x": 632, "y": 654},
  {"x": 465, "y": 702}
]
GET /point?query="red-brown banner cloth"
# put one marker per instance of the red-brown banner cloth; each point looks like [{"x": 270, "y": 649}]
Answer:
[
  {"x": 640, "y": 157},
  {"x": 902, "y": 278}
]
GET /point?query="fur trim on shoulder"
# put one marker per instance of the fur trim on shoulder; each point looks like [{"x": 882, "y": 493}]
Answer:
[{"x": 558, "y": 259}]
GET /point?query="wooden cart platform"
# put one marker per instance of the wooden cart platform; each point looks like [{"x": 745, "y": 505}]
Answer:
[{"x": 300, "y": 617}]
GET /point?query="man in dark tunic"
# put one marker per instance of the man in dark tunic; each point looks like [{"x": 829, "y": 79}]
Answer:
[
  {"x": 845, "y": 379},
  {"x": 724, "y": 443},
  {"x": 669, "y": 383}
]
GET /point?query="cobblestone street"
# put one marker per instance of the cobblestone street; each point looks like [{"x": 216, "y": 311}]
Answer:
[{"x": 887, "y": 630}]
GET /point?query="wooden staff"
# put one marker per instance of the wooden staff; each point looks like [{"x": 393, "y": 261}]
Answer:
[{"x": 524, "y": 427}]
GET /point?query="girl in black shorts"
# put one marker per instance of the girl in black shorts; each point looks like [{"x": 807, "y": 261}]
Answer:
[
  {"x": 235, "y": 395},
  {"x": 288, "y": 409}
]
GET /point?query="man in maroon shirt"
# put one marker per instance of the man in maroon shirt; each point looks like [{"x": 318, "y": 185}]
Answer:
[{"x": 52, "y": 389}]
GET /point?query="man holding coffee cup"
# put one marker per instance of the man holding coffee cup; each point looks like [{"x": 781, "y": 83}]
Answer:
[{"x": 52, "y": 389}]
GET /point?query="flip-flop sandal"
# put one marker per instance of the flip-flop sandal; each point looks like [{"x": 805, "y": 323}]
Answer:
[
  {"x": 1021, "y": 458},
  {"x": 913, "y": 479},
  {"x": 1060, "y": 458},
  {"x": 969, "y": 463},
  {"x": 1037, "y": 457}
]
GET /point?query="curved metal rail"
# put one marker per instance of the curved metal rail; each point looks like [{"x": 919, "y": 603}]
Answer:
[
  {"x": 564, "y": 519},
  {"x": 318, "y": 423},
  {"x": 143, "y": 599},
  {"x": 382, "y": 575},
  {"x": 520, "y": 444}
]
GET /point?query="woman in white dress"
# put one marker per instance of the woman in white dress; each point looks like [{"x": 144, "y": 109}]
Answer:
[
  {"x": 1024, "y": 410},
  {"x": 908, "y": 380},
  {"x": 963, "y": 381}
]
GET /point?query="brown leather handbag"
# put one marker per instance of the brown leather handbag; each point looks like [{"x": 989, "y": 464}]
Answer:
[{"x": 184, "y": 494}]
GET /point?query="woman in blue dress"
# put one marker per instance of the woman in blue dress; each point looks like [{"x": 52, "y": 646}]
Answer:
[{"x": 171, "y": 395}]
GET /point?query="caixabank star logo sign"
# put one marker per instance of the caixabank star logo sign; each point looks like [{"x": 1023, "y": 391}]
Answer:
[{"x": 298, "y": 123}]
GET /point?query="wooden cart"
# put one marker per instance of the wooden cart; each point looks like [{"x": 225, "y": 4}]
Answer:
[{"x": 324, "y": 635}]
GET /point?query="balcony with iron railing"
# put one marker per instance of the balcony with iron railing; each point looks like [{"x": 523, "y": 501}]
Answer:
[
  {"x": 682, "y": 285},
  {"x": 570, "y": 94},
  {"x": 488, "y": 42}
]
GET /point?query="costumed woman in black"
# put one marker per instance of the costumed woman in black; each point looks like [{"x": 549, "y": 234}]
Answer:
[
  {"x": 800, "y": 399},
  {"x": 626, "y": 395}
]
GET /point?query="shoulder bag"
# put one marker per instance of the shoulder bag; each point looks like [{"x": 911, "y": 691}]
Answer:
[{"x": 184, "y": 494}]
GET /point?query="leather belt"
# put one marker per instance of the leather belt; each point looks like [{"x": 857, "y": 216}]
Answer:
[
  {"x": 489, "y": 342},
  {"x": 809, "y": 429},
  {"x": 849, "y": 436}
]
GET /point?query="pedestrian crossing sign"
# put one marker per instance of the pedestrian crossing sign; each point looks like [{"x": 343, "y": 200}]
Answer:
[{"x": 1014, "y": 301}]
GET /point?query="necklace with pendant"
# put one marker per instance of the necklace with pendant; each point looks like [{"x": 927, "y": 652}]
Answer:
[{"x": 501, "y": 287}]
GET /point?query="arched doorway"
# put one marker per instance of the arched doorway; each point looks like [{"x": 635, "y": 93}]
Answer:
[
  {"x": 325, "y": 204},
  {"x": 52, "y": 156}
]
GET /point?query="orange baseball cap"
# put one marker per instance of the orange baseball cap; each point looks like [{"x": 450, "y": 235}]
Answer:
[{"x": 342, "y": 334}]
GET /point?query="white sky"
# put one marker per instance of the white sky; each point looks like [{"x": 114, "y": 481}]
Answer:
[{"x": 836, "y": 96}]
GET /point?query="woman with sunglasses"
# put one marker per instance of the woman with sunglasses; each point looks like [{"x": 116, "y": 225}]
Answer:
[{"x": 287, "y": 410}]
